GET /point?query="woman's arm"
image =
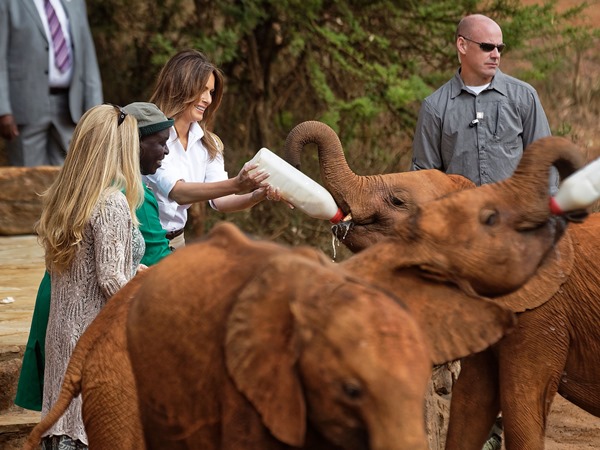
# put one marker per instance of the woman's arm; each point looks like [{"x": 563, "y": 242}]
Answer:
[
  {"x": 232, "y": 203},
  {"x": 190, "y": 192}
]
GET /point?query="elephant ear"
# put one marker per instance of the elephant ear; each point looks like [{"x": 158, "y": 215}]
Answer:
[
  {"x": 261, "y": 350},
  {"x": 456, "y": 322},
  {"x": 461, "y": 182},
  {"x": 542, "y": 286}
]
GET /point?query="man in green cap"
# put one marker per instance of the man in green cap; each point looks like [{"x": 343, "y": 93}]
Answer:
[
  {"x": 154, "y": 132},
  {"x": 153, "y": 127}
]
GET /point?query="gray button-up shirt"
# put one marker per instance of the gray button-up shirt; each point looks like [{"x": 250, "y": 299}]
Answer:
[{"x": 481, "y": 137}]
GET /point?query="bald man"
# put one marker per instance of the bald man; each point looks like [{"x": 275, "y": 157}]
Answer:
[{"x": 479, "y": 122}]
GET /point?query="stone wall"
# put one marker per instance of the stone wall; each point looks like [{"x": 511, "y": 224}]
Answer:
[
  {"x": 20, "y": 201},
  {"x": 15, "y": 423}
]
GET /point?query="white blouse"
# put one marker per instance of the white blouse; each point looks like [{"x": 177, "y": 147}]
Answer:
[{"x": 191, "y": 165}]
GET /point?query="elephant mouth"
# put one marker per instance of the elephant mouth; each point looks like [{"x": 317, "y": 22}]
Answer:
[
  {"x": 341, "y": 229},
  {"x": 358, "y": 235},
  {"x": 560, "y": 226}
]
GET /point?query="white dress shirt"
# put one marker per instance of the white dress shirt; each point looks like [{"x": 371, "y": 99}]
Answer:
[{"x": 191, "y": 165}]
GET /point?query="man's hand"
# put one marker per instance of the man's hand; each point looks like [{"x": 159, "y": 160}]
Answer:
[{"x": 8, "y": 127}]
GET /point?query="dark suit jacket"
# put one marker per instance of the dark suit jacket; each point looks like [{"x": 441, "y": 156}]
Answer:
[{"x": 24, "y": 48}]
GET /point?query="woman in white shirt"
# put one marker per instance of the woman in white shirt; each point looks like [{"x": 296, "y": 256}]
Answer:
[{"x": 189, "y": 90}]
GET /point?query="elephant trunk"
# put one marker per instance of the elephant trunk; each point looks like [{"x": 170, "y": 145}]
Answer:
[
  {"x": 384, "y": 439},
  {"x": 395, "y": 429},
  {"x": 531, "y": 178},
  {"x": 336, "y": 175}
]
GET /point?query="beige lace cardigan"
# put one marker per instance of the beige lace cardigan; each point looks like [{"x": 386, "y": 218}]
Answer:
[{"x": 106, "y": 260}]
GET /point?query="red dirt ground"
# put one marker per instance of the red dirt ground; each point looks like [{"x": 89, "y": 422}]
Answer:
[{"x": 571, "y": 428}]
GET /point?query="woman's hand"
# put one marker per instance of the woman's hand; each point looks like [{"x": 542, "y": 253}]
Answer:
[
  {"x": 270, "y": 193},
  {"x": 249, "y": 180},
  {"x": 273, "y": 194}
]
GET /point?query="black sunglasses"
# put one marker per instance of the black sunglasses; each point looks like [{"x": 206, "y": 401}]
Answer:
[
  {"x": 486, "y": 46},
  {"x": 122, "y": 113}
]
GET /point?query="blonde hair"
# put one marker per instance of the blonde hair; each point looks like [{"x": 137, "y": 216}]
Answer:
[
  {"x": 179, "y": 84},
  {"x": 103, "y": 157}
]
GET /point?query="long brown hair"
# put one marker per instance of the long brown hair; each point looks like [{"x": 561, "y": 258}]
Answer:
[{"x": 180, "y": 81}]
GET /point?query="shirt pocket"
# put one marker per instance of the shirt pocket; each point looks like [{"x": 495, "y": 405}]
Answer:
[
  {"x": 505, "y": 146},
  {"x": 506, "y": 128}
]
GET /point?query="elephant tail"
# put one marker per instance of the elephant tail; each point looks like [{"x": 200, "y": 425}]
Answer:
[{"x": 70, "y": 389}]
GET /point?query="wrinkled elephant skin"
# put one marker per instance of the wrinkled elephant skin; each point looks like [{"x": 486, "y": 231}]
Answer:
[{"x": 555, "y": 345}]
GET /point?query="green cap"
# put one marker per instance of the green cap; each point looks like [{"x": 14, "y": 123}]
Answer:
[{"x": 150, "y": 119}]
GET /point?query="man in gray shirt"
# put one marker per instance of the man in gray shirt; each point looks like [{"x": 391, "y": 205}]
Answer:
[{"x": 479, "y": 122}]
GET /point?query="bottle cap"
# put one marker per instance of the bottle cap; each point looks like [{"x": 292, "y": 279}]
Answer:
[
  {"x": 555, "y": 208},
  {"x": 339, "y": 215}
]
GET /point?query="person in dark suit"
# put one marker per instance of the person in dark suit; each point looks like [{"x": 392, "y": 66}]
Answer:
[{"x": 49, "y": 77}]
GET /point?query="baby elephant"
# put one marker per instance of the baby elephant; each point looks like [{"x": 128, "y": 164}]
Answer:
[{"x": 241, "y": 344}]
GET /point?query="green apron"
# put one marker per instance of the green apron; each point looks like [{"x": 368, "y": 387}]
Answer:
[{"x": 31, "y": 380}]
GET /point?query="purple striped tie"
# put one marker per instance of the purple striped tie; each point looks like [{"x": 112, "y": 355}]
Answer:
[{"x": 62, "y": 56}]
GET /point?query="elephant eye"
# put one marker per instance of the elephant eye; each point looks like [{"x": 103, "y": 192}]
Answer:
[
  {"x": 352, "y": 389},
  {"x": 526, "y": 226},
  {"x": 398, "y": 201},
  {"x": 489, "y": 217}
]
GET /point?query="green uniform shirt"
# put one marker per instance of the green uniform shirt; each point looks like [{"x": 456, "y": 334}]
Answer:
[{"x": 157, "y": 245}]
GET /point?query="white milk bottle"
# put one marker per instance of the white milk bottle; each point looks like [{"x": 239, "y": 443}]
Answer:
[
  {"x": 579, "y": 190},
  {"x": 297, "y": 188}
]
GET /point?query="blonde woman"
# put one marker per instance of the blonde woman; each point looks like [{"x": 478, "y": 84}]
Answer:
[
  {"x": 92, "y": 245},
  {"x": 189, "y": 89}
]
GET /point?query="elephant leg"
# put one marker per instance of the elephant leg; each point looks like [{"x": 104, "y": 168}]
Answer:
[
  {"x": 475, "y": 402},
  {"x": 531, "y": 361},
  {"x": 110, "y": 404},
  {"x": 110, "y": 409}
]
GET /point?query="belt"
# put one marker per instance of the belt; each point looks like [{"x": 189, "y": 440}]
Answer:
[
  {"x": 173, "y": 234},
  {"x": 59, "y": 90}
]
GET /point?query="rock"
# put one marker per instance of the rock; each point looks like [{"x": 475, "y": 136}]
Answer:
[
  {"x": 15, "y": 426},
  {"x": 10, "y": 367},
  {"x": 437, "y": 403},
  {"x": 20, "y": 201}
]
